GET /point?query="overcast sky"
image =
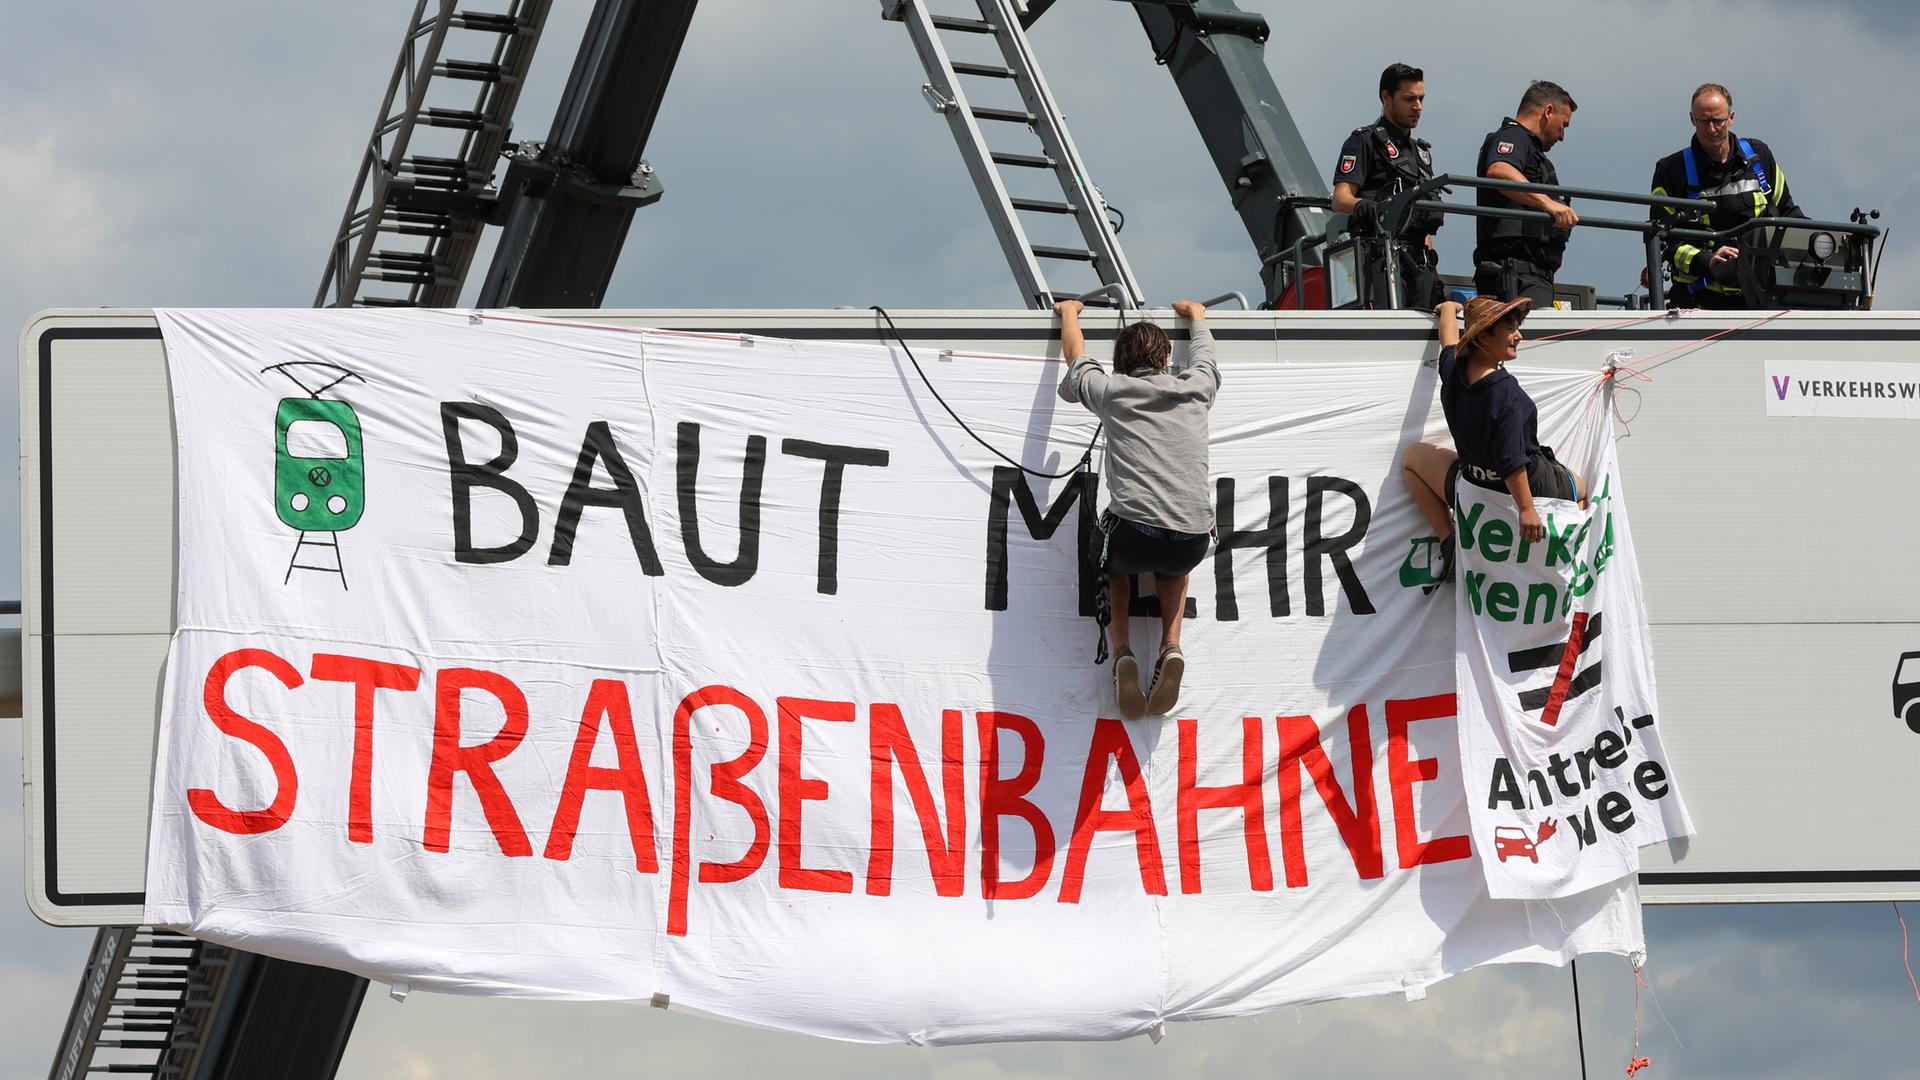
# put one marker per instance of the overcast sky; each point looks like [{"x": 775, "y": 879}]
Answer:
[{"x": 200, "y": 153}]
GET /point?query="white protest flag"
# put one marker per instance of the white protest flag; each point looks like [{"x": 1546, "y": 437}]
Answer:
[
  {"x": 1559, "y": 739},
  {"x": 535, "y": 659}
]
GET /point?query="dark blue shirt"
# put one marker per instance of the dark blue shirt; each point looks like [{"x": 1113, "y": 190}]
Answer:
[{"x": 1494, "y": 423}]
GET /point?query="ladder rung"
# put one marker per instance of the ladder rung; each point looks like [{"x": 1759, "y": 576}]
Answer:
[
  {"x": 1011, "y": 116},
  {"x": 1047, "y": 251},
  {"x": 430, "y": 231},
  {"x": 473, "y": 70},
  {"x": 402, "y": 279},
  {"x": 985, "y": 71},
  {"x": 1025, "y": 161},
  {"x": 1043, "y": 206},
  {"x": 454, "y": 118},
  {"x": 382, "y": 301},
  {"x": 492, "y": 22},
  {"x": 398, "y": 260},
  {"x": 964, "y": 26},
  {"x": 1102, "y": 300},
  {"x": 434, "y": 166}
]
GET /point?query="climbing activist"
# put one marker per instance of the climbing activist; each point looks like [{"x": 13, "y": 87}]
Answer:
[
  {"x": 1493, "y": 422},
  {"x": 1377, "y": 162},
  {"x": 1742, "y": 180},
  {"x": 1519, "y": 258},
  {"x": 1159, "y": 514}
]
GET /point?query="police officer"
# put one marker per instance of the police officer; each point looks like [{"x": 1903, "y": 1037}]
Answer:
[
  {"x": 1519, "y": 258},
  {"x": 1377, "y": 162},
  {"x": 1743, "y": 181}
]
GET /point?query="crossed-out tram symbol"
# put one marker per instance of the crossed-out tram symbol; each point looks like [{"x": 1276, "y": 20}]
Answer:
[{"x": 319, "y": 469}]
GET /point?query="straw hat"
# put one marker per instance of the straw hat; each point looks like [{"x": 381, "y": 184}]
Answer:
[{"x": 1484, "y": 311}]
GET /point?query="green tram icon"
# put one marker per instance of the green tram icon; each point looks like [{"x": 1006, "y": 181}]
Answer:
[{"x": 319, "y": 466}]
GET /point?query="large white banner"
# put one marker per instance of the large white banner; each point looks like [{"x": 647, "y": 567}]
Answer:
[
  {"x": 1559, "y": 734},
  {"x": 731, "y": 674}
]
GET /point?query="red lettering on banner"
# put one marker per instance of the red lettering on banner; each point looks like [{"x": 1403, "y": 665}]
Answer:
[
  {"x": 1404, "y": 772},
  {"x": 1358, "y": 821},
  {"x": 1110, "y": 743},
  {"x": 891, "y": 745},
  {"x": 1007, "y": 798},
  {"x": 367, "y": 676},
  {"x": 726, "y": 777},
  {"x": 796, "y": 789},
  {"x": 605, "y": 698},
  {"x": 202, "y": 801},
  {"x": 449, "y": 757},
  {"x": 1248, "y": 796}
]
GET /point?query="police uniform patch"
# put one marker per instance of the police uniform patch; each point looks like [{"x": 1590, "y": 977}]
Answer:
[
  {"x": 1425, "y": 157},
  {"x": 1346, "y": 163},
  {"x": 1392, "y": 150},
  {"x": 1504, "y": 148}
]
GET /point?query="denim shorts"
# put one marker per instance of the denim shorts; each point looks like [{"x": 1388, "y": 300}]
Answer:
[{"x": 1137, "y": 548}]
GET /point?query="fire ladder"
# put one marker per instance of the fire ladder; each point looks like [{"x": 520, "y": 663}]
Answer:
[
  {"x": 947, "y": 90},
  {"x": 414, "y": 218}
]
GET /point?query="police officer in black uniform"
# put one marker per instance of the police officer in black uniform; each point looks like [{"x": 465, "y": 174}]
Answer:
[
  {"x": 1519, "y": 258},
  {"x": 1743, "y": 181},
  {"x": 1377, "y": 162}
]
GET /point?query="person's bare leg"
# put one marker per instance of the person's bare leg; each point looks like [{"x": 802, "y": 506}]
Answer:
[
  {"x": 1120, "y": 596},
  {"x": 1424, "y": 469},
  {"x": 1172, "y": 663},
  {"x": 1173, "y": 608},
  {"x": 1127, "y": 693}
]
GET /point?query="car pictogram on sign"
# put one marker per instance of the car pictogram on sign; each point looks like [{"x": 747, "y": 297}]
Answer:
[
  {"x": 1906, "y": 690},
  {"x": 1512, "y": 841}
]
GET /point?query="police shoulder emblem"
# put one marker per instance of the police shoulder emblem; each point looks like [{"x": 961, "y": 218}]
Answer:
[
  {"x": 1504, "y": 148},
  {"x": 1346, "y": 163},
  {"x": 1392, "y": 150}
]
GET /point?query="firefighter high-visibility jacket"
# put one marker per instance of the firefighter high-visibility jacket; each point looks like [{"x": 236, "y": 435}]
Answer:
[{"x": 1749, "y": 184}]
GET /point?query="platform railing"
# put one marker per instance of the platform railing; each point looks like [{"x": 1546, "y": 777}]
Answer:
[{"x": 1684, "y": 224}]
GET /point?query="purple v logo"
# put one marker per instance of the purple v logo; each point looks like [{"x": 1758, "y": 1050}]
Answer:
[{"x": 1780, "y": 385}]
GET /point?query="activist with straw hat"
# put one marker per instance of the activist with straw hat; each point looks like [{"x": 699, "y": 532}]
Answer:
[{"x": 1494, "y": 424}]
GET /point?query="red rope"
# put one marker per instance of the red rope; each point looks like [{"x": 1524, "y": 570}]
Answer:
[
  {"x": 1904, "y": 956},
  {"x": 1531, "y": 342},
  {"x": 1637, "y": 1061}
]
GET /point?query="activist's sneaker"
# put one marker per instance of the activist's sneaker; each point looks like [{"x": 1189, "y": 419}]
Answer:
[
  {"x": 1443, "y": 575},
  {"x": 1126, "y": 685},
  {"x": 1166, "y": 681}
]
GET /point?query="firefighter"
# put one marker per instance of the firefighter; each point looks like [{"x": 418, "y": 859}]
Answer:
[
  {"x": 1377, "y": 162},
  {"x": 1519, "y": 258},
  {"x": 1743, "y": 181}
]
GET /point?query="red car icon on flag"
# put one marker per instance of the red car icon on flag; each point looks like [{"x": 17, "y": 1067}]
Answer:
[{"x": 1511, "y": 841}]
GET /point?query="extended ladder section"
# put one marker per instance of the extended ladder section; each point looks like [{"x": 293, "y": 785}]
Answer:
[
  {"x": 425, "y": 188},
  {"x": 1006, "y": 179},
  {"x": 145, "y": 1005}
]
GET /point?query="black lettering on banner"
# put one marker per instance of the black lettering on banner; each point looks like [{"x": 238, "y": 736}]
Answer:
[
  {"x": 1582, "y": 826},
  {"x": 466, "y": 475},
  {"x": 1009, "y": 488},
  {"x": 1272, "y": 539},
  {"x": 1334, "y": 548},
  {"x": 1616, "y": 813},
  {"x": 687, "y": 469},
  {"x": 1505, "y": 787},
  {"x": 598, "y": 446},
  {"x": 1649, "y": 779},
  {"x": 837, "y": 458}
]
